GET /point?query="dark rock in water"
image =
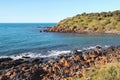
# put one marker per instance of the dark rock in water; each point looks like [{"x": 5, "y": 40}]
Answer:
[
  {"x": 5, "y": 59},
  {"x": 43, "y": 27},
  {"x": 98, "y": 47},
  {"x": 99, "y": 50},
  {"x": 75, "y": 52},
  {"x": 62, "y": 56},
  {"x": 45, "y": 31},
  {"x": 19, "y": 60},
  {"x": 36, "y": 60},
  {"x": 41, "y": 31},
  {"x": 10, "y": 64},
  {"x": 25, "y": 57}
]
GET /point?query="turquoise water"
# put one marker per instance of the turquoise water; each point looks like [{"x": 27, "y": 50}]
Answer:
[{"x": 20, "y": 38}]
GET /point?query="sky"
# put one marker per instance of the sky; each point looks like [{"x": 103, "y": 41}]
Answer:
[{"x": 37, "y": 11}]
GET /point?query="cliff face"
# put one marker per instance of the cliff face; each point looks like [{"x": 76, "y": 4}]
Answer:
[{"x": 90, "y": 22}]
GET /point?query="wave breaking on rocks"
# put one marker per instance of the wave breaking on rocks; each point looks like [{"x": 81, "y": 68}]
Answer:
[{"x": 59, "y": 67}]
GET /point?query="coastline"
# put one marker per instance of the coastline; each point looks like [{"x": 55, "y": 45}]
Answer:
[
  {"x": 65, "y": 66},
  {"x": 59, "y": 40},
  {"x": 103, "y": 22},
  {"x": 54, "y": 29}
]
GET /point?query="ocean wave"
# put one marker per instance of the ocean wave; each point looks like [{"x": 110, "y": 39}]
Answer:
[
  {"x": 51, "y": 53},
  {"x": 94, "y": 47}
]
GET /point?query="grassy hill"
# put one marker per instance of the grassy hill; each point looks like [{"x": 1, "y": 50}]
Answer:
[{"x": 90, "y": 22}]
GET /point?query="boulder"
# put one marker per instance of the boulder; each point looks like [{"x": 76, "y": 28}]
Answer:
[
  {"x": 76, "y": 52},
  {"x": 111, "y": 49},
  {"x": 98, "y": 47},
  {"x": 8, "y": 73},
  {"x": 86, "y": 56},
  {"x": 5, "y": 59},
  {"x": 4, "y": 78},
  {"x": 38, "y": 74},
  {"x": 92, "y": 53}
]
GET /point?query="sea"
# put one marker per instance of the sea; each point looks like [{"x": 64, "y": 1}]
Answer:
[{"x": 25, "y": 39}]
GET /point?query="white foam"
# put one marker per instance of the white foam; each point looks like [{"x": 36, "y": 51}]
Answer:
[
  {"x": 106, "y": 46},
  {"x": 51, "y": 54},
  {"x": 94, "y": 47},
  {"x": 56, "y": 52}
]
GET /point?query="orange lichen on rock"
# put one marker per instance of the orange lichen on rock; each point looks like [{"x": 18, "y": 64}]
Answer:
[{"x": 64, "y": 62}]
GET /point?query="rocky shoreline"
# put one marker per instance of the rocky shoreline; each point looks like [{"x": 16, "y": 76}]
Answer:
[
  {"x": 64, "y": 67},
  {"x": 60, "y": 30}
]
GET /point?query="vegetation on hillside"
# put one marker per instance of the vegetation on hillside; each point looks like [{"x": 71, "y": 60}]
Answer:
[{"x": 91, "y": 22}]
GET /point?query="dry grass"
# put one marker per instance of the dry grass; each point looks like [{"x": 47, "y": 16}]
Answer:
[{"x": 110, "y": 71}]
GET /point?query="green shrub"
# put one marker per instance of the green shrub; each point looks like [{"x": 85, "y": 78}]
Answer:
[{"x": 108, "y": 20}]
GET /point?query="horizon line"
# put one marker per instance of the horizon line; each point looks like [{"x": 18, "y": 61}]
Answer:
[{"x": 28, "y": 22}]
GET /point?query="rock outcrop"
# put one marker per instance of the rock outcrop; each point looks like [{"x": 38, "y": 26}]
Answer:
[{"x": 73, "y": 66}]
